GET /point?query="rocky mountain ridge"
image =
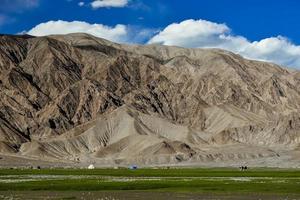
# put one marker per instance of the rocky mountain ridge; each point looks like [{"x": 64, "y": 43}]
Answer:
[{"x": 83, "y": 99}]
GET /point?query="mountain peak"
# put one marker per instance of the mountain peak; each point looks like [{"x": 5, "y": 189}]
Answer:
[{"x": 64, "y": 97}]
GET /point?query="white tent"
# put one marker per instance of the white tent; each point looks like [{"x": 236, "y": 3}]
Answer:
[{"x": 91, "y": 166}]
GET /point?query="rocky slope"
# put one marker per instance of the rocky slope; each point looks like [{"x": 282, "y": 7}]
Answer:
[{"x": 82, "y": 99}]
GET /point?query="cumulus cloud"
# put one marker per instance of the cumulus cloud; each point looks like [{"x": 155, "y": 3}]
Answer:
[
  {"x": 17, "y": 5},
  {"x": 118, "y": 33},
  {"x": 188, "y": 33},
  {"x": 81, "y": 3},
  {"x": 109, "y": 3},
  {"x": 206, "y": 34}
]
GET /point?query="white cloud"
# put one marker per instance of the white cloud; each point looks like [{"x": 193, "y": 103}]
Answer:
[
  {"x": 17, "y": 5},
  {"x": 30, "y": 3},
  {"x": 109, "y": 3},
  {"x": 189, "y": 33},
  {"x": 118, "y": 33},
  {"x": 81, "y": 3},
  {"x": 206, "y": 34}
]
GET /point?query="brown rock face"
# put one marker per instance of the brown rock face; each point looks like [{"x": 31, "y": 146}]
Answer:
[{"x": 80, "y": 98}]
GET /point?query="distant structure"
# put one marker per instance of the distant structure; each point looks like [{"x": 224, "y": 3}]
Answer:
[
  {"x": 133, "y": 167},
  {"x": 91, "y": 166},
  {"x": 243, "y": 168}
]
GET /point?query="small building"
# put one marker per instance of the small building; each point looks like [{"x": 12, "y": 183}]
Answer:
[
  {"x": 133, "y": 167},
  {"x": 91, "y": 166}
]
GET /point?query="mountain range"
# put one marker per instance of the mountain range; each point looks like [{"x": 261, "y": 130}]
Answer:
[{"x": 78, "y": 99}]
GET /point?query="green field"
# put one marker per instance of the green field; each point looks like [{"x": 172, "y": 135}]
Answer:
[{"x": 218, "y": 181}]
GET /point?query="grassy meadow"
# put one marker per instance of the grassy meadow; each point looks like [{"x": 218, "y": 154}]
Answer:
[{"x": 218, "y": 180}]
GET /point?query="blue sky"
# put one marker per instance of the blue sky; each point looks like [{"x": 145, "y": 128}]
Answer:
[{"x": 258, "y": 29}]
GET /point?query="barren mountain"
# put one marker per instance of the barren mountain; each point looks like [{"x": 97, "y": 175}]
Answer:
[{"x": 80, "y": 99}]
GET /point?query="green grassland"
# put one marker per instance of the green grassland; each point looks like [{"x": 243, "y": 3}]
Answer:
[
  {"x": 150, "y": 172},
  {"x": 219, "y": 180}
]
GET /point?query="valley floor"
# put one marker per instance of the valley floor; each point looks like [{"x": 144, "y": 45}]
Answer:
[
  {"x": 184, "y": 183},
  {"x": 278, "y": 159}
]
